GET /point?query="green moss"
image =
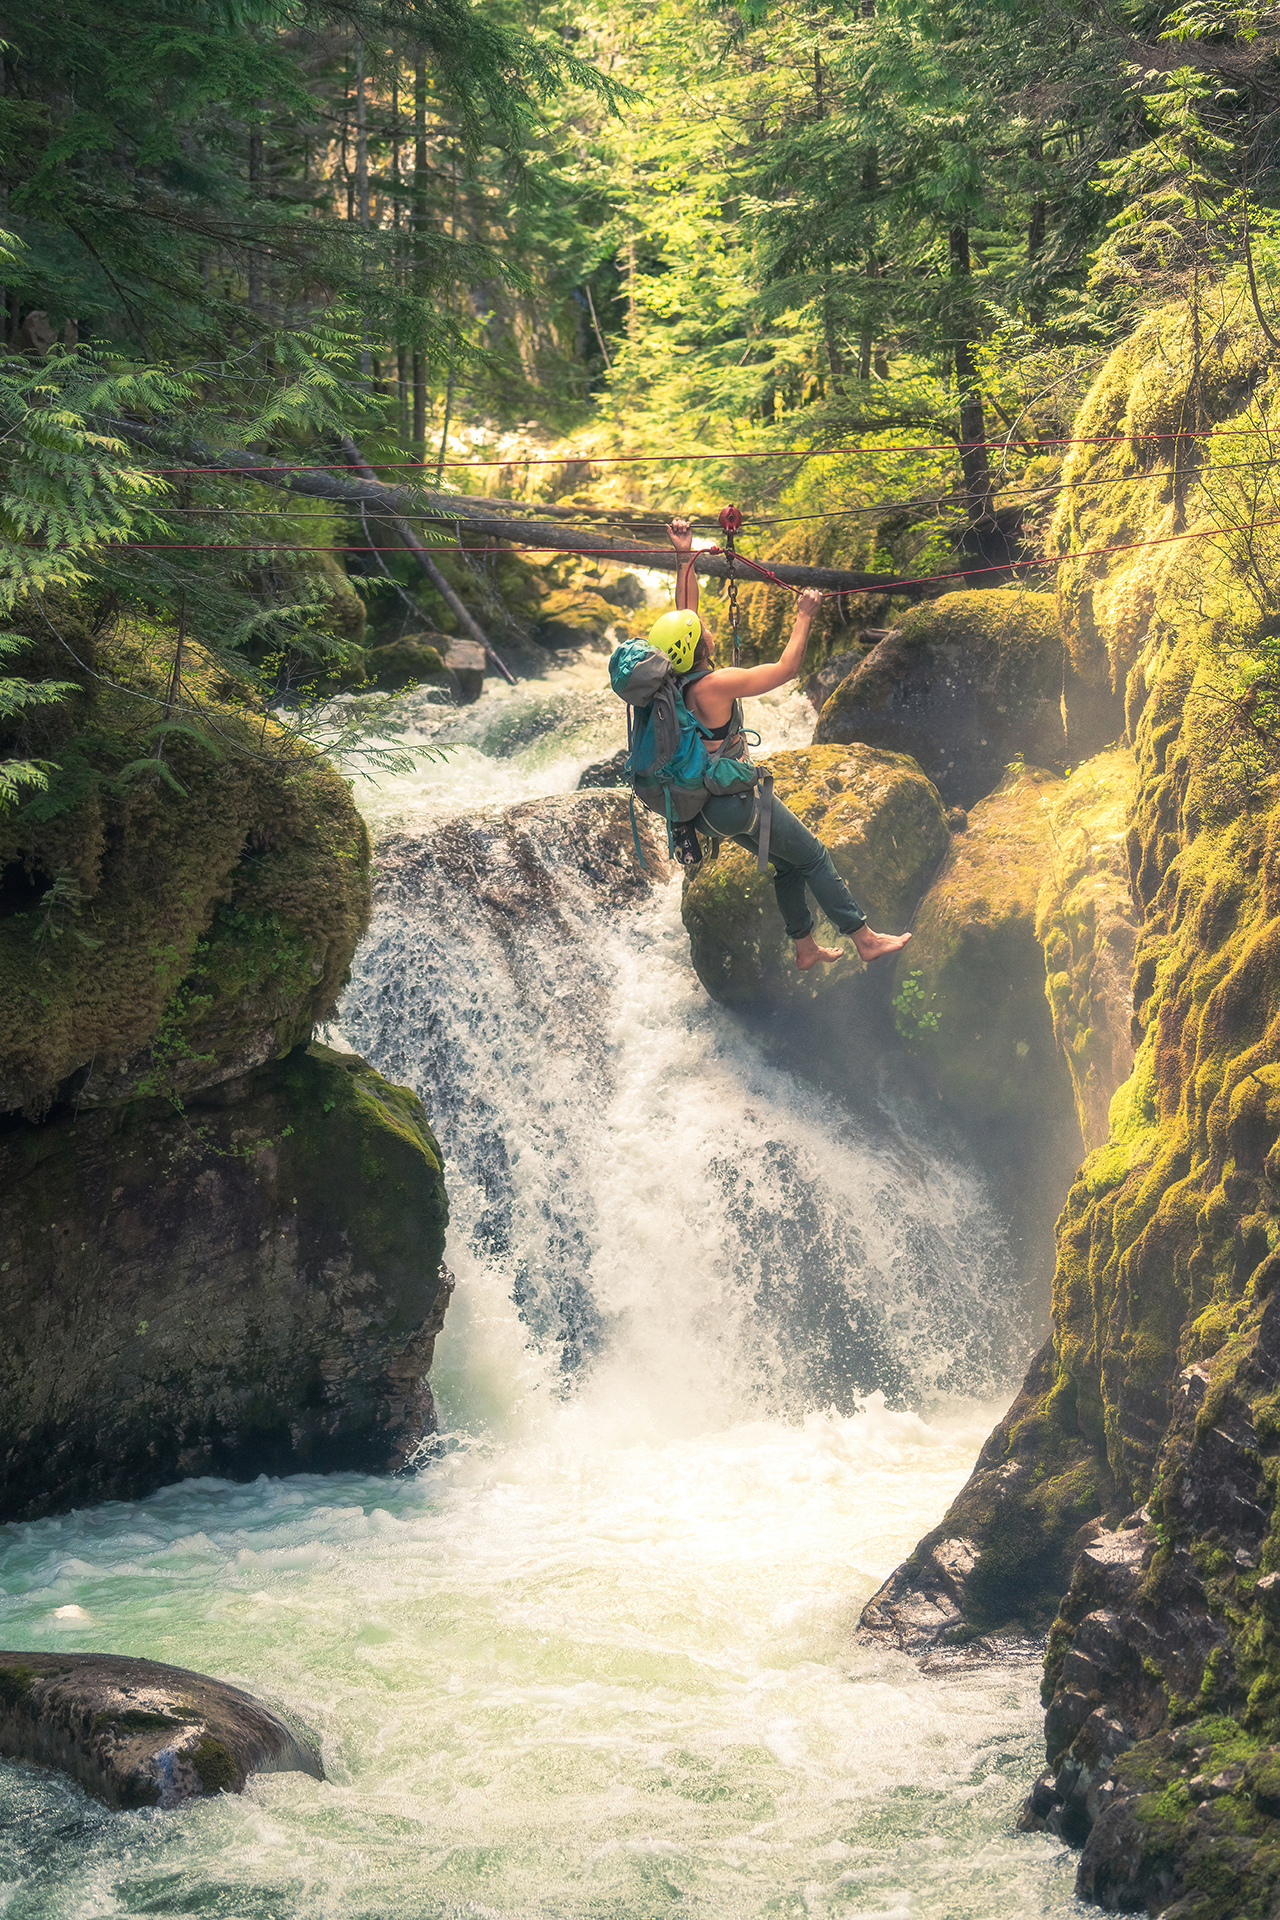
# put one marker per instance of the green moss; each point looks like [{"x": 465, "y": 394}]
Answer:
[
  {"x": 216, "y": 922},
  {"x": 136, "y": 1720},
  {"x": 1086, "y": 924},
  {"x": 215, "y": 1768},
  {"x": 1026, "y": 1542},
  {"x": 969, "y": 991},
  {"x": 1167, "y": 1808},
  {"x": 1010, "y": 635}
]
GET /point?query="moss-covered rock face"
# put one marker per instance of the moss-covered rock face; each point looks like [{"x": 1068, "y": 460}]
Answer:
[
  {"x": 156, "y": 939},
  {"x": 969, "y": 990},
  {"x": 1128, "y": 481},
  {"x": 882, "y": 823},
  {"x": 1088, "y": 926},
  {"x": 1003, "y": 1552},
  {"x": 968, "y": 684},
  {"x": 1163, "y": 1676},
  {"x": 577, "y": 616},
  {"x": 252, "y": 1285}
]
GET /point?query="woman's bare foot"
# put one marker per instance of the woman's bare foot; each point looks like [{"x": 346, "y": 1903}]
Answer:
[
  {"x": 874, "y": 946},
  {"x": 808, "y": 953}
]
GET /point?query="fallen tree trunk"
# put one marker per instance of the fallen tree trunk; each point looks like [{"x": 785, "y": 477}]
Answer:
[
  {"x": 503, "y": 520},
  {"x": 430, "y": 568}
]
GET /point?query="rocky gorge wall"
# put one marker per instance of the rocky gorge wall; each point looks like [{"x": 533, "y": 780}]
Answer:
[{"x": 220, "y": 1246}]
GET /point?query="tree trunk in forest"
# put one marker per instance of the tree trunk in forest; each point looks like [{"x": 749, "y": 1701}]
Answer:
[
  {"x": 362, "y": 180},
  {"x": 453, "y": 301},
  {"x": 870, "y": 187},
  {"x": 419, "y": 228},
  {"x": 255, "y": 183},
  {"x": 631, "y": 286},
  {"x": 973, "y": 427},
  {"x": 402, "y": 358},
  {"x": 835, "y": 359}
]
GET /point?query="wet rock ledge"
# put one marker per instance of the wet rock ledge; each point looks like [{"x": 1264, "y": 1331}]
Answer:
[{"x": 138, "y": 1734}]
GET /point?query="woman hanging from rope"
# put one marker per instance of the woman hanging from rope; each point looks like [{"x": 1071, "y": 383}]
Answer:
[{"x": 798, "y": 859}]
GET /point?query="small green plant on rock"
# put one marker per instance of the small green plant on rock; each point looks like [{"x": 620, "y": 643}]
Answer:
[{"x": 913, "y": 1010}]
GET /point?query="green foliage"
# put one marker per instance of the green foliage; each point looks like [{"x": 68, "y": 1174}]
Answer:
[
  {"x": 913, "y": 1011},
  {"x": 160, "y": 161}
]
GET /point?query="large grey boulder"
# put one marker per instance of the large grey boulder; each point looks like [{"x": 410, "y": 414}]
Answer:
[
  {"x": 251, "y": 1285},
  {"x": 138, "y": 1734},
  {"x": 968, "y": 684}
]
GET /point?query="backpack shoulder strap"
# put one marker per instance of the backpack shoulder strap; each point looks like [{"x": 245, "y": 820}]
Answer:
[{"x": 683, "y": 683}]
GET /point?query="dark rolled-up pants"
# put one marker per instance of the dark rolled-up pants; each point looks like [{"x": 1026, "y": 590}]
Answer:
[{"x": 798, "y": 859}]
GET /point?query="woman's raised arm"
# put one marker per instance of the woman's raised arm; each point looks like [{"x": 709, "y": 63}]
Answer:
[
  {"x": 681, "y": 537},
  {"x": 742, "y": 682}
]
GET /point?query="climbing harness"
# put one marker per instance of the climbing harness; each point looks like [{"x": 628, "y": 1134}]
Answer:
[{"x": 731, "y": 523}]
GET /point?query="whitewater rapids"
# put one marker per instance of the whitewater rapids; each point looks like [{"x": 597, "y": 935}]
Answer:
[{"x": 594, "y": 1657}]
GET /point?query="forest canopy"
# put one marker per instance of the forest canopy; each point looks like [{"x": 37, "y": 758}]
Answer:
[{"x": 709, "y": 239}]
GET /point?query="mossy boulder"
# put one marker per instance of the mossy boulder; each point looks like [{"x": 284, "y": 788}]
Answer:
[
  {"x": 1087, "y": 925},
  {"x": 166, "y": 921},
  {"x": 969, "y": 997},
  {"x": 880, "y": 819},
  {"x": 966, "y": 685},
  {"x": 414, "y": 660},
  {"x": 578, "y": 617},
  {"x": 138, "y": 1734},
  {"x": 251, "y": 1285}
]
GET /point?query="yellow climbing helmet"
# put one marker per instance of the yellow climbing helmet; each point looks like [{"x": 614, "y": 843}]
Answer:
[{"x": 677, "y": 635}]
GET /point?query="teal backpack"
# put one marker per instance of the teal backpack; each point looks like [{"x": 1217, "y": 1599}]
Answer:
[{"x": 668, "y": 765}]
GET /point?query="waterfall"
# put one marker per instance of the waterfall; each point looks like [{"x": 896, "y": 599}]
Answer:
[{"x": 678, "y": 1221}]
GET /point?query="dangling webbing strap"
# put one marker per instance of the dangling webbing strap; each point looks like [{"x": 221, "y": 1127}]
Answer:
[
  {"x": 635, "y": 831},
  {"x": 635, "y": 835},
  {"x": 764, "y": 818}
]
